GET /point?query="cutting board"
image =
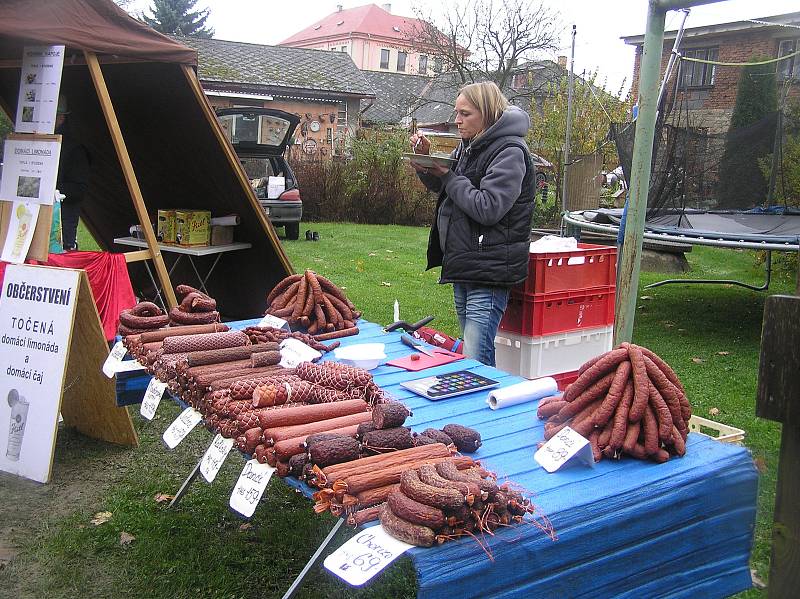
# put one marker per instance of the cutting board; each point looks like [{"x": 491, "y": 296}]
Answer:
[{"x": 442, "y": 357}]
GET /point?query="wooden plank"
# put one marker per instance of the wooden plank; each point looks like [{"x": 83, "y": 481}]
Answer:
[
  {"x": 130, "y": 177},
  {"x": 784, "y": 573},
  {"x": 88, "y": 401},
  {"x": 138, "y": 256},
  {"x": 778, "y": 395},
  {"x": 236, "y": 165}
]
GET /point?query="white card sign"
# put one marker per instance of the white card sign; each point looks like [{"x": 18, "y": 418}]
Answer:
[
  {"x": 38, "y": 89},
  {"x": 37, "y": 307},
  {"x": 250, "y": 487},
  {"x": 30, "y": 167},
  {"x": 214, "y": 457},
  {"x": 152, "y": 397},
  {"x": 273, "y": 321},
  {"x": 364, "y": 555},
  {"x": 563, "y": 447},
  {"x": 294, "y": 351},
  {"x": 114, "y": 359},
  {"x": 181, "y": 426}
]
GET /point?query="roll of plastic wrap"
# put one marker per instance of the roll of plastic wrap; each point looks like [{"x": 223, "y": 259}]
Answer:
[
  {"x": 522, "y": 392},
  {"x": 226, "y": 221}
]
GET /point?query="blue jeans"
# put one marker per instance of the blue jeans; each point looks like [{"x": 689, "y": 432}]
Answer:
[{"x": 479, "y": 310}]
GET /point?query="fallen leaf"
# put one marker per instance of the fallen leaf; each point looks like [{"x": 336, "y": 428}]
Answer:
[
  {"x": 385, "y": 284},
  {"x": 646, "y": 297},
  {"x": 101, "y": 518},
  {"x": 125, "y": 538},
  {"x": 698, "y": 360},
  {"x": 723, "y": 353},
  {"x": 681, "y": 330},
  {"x": 713, "y": 411},
  {"x": 359, "y": 265},
  {"x": 761, "y": 464},
  {"x": 162, "y": 497},
  {"x": 390, "y": 251},
  {"x": 245, "y": 526},
  {"x": 757, "y": 582},
  {"x": 668, "y": 325},
  {"x": 372, "y": 254},
  {"x": 639, "y": 307}
]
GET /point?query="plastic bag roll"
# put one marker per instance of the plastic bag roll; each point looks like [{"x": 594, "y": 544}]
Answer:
[
  {"x": 226, "y": 221},
  {"x": 522, "y": 392}
]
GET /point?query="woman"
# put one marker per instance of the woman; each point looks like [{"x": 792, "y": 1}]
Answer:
[{"x": 480, "y": 236}]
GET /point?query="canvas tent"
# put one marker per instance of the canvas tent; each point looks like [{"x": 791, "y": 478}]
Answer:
[{"x": 118, "y": 71}]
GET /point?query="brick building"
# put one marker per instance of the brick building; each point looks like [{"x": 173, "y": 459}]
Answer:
[{"x": 709, "y": 91}]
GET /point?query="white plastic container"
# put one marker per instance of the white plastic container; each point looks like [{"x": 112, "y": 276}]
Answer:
[
  {"x": 362, "y": 355},
  {"x": 534, "y": 357}
]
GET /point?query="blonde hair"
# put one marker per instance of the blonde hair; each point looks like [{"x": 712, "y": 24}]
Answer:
[{"x": 487, "y": 98}]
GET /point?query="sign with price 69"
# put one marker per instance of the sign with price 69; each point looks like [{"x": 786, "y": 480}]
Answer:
[
  {"x": 561, "y": 448},
  {"x": 363, "y": 556}
]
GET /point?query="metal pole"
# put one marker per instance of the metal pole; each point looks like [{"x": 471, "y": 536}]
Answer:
[
  {"x": 672, "y": 57},
  {"x": 640, "y": 173},
  {"x": 568, "y": 136},
  {"x": 299, "y": 580}
]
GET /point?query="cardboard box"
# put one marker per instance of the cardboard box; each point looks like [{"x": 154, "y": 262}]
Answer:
[
  {"x": 221, "y": 235},
  {"x": 192, "y": 227},
  {"x": 165, "y": 226}
]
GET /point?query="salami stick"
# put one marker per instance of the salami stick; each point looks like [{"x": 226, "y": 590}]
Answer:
[
  {"x": 281, "y": 287},
  {"x": 641, "y": 384},
  {"x": 620, "y": 422},
  {"x": 614, "y": 395},
  {"x": 605, "y": 364},
  {"x": 598, "y": 389}
]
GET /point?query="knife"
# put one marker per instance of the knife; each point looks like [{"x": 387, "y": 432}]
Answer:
[{"x": 411, "y": 342}]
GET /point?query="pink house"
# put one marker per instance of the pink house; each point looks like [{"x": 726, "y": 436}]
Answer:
[{"x": 373, "y": 37}]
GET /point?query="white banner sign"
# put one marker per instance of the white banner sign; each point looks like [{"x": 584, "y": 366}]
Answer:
[
  {"x": 36, "y": 311},
  {"x": 364, "y": 555},
  {"x": 250, "y": 487},
  {"x": 214, "y": 457},
  {"x": 38, "y": 89},
  {"x": 181, "y": 426},
  {"x": 114, "y": 359},
  {"x": 20, "y": 232},
  {"x": 152, "y": 397},
  {"x": 30, "y": 168},
  {"x": 565, "y": 445}
]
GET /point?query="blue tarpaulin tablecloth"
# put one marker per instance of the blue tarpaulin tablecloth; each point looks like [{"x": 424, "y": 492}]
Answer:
[{"x": 625, "y": 528}]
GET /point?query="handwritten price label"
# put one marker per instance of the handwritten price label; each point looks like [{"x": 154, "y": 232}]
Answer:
[
  {"x": 250, "y": 487},
  {"x": 273, "y": 321},
  {"x": 363, "y": 556},
  {"x": 114, "y": 359},
  {"x": 181, "y": 427},
  {"x": 214, "y": 457},
  {"x": 293, "y": 352},
  {"x": 561, "y": 448},
  {"x": 152, "y": 397}
]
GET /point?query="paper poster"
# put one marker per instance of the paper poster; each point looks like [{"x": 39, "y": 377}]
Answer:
[
  {"x": 20, "y": 232},
  {"x": 30, "y": 170},
  {"x": 37, "y": 305},
  {"x": 38, "y": 89}
]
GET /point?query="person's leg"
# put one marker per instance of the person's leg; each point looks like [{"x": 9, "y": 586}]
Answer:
[
  {"x": 484, "y": 310},
  {"x": 70, "y": 213},
  {"x": 460, "y": 300}
]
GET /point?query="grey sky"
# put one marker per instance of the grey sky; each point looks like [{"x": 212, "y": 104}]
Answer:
[{"x": 599, "y": 24}]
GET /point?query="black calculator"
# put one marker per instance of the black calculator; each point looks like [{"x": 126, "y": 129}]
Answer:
[{"x": 447, "y": 385}]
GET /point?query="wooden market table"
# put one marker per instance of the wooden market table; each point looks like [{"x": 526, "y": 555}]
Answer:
[{"x": 625, "y": 528}]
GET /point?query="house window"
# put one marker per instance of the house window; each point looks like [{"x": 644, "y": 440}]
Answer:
[
  {"x": 401, "y": 61},
  {"x": 698, "y": 74},
  {"x": 329, "y": 136},
  {"x": 344, "y": 48},
  {"x": 423, "y": 64},
  {"x": 384, "y": 58},
  {"x": 437, "y": 65},
  {"x": 789, "y": 68}
]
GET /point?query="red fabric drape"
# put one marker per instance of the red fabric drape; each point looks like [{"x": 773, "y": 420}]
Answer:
[{"x": 108, "y": 278}]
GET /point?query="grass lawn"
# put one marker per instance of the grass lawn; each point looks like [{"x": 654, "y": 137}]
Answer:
[{"x": 709, "y": 334}]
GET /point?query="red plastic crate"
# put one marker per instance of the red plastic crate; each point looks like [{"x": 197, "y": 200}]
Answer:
[
  {"x": 589, "y": 266},
  {"x": 564, "y": 379},
  {"x": 558, "y": 312}
]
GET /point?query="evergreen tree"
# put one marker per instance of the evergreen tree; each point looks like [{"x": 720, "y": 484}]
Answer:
[
  {"x": 178, "y": 17},
  {"x": 751, "y": 134}
]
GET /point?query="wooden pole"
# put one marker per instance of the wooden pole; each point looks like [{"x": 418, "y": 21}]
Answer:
[{"x": 130, "y": 177}]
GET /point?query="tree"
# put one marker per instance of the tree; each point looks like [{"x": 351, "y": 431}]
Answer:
[
  {"x": 593, "y": 111},
  {"x": 741, "y": 181},
  {"x": 486, "y": 40},
  {"x": 177, "y": 17}
]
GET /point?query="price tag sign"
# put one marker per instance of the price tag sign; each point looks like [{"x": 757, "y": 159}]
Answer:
[
  {"x": 273, "y": 321},
  {"x": 294, "y": 351},
  {"x": 214, "y": 457},
  {"x": 250, "y": 487},
  {"x": 563, "y": 447},
  {"x": 114, "y": 359},
  {"x": 152, "y": 397},
  {"x": 363, "y": 556},
  {"x": 181, "y": 427},
  {"x": 129, "y": 366}
]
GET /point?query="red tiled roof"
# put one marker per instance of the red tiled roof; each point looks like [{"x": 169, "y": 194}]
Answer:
[{"x": 368, "y": 19}]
